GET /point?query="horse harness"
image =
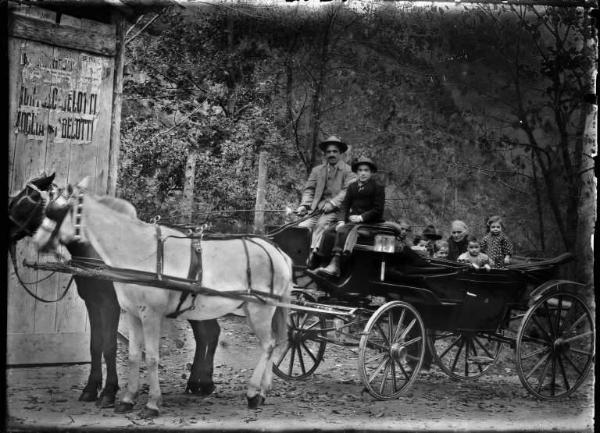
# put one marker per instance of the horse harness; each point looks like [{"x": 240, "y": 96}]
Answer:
[{"x": 195, "y": 269}]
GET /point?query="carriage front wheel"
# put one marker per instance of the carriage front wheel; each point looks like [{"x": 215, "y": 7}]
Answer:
[
  {"x": 464, "y": 355},
  {"x": 304, "y": 351},
  {"x": 555, "y": 345},
  {"x": 391, "y": 350}
]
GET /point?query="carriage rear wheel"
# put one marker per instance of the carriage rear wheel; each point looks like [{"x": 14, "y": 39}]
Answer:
[
  {"x": 304, "y": 351},
  {"x": 391, "y": 350},
  {"x": 555, "y": 345},
  {"x": 463, "y": 355}
]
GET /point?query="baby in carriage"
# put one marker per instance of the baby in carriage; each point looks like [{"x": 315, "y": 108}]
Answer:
[{"x": 474, "y": 256}]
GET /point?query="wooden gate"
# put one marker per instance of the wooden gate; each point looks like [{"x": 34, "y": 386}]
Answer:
[{"x": 60, "y": 103}]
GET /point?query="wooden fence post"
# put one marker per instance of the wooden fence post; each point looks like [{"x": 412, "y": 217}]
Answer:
[
  {"x": 115, "y": 123},
  {"x": 259, "y": 209}
]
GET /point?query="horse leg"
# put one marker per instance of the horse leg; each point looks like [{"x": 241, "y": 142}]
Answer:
[
  {"x": 151, "y": 324},
  {"x": 110, "y": 326},
  {"x": 136, "y": 343},
  {"x": 206, "y": 334},
  {"x": 90, "y": 391},
  {"x": 260, "y": 319}
]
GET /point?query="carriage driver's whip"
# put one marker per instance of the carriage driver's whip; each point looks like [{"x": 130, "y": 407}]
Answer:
[{"x": 13, "y": 255}]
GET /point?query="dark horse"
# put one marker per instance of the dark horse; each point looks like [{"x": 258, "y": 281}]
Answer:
[{"x": 26, "y": 213}]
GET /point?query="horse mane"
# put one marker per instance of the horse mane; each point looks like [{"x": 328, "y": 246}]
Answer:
[{"x": 119, "y": 205}]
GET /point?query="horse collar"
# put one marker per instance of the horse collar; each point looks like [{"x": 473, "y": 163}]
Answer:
[{"x": 78, "y": 213}]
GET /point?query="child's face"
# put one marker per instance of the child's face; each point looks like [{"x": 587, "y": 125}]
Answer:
[
  {"x": 423, "y": 243},
  {"x": 495, "y": 228},
  {"x": 404, "y": 230},
  {"x": 473, "y": 248},
  {"x": 443, "y": 252},
  {"x": 363, "y": 172}
]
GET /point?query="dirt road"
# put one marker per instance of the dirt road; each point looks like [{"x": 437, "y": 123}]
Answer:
[{"x": 46, "y": 397}]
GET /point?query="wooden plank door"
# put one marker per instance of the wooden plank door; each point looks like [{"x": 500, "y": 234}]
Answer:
[{"x": 60, "y": 102}]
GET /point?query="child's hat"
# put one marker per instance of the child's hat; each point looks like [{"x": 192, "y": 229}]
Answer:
[{"x": 430, "y": 233}]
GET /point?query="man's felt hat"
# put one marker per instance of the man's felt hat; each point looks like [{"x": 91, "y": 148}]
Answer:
[
  {"x": 363, "y": 160},
  {"x": 430, "y": 233},
  {"x": 333, "y": 140}
]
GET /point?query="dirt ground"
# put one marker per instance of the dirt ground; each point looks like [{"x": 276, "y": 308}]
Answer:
[{"x": 44, "y": 398}]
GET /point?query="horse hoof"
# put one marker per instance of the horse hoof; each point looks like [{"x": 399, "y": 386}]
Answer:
[
  {"x": 88, "y": 396},
  {"x": 199, "y": 389},
  {"x": 123, "y": 407},
  {"x": 106, "y": 401},
  {"x": 148, "y": 412},
  {"x": 255, "y": 402}
]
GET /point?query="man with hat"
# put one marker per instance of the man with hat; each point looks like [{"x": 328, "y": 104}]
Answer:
[
  {"x": 363, "y": 203},
  {"x": 324, "y": 192}
]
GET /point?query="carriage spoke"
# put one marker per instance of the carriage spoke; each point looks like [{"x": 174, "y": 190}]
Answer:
[
  {"x": 301, "y": 360},
  {"x": 542, "y": 376},
  {"x": 393, "y": 371},
  {"x": 575, "y": 323},
  {"x": 308, "y": 351},
  {"x": 537, "y": 365},
  {"x": 384, "y": 378},
  {"x": 292, "y": 360},
  {"x": 413, "y": 341},
  {"x": 443, "y": 335},
  {"x": 558, "y": 316},
  {"x": 462, "y": 343},
  {"x": 287, "y": 349},
  {"x": 450, "y": 346},
  {"x": 378, "y": 369},
  {"x": 404, "y": 372},
  {"x": 536, "y": 352},
  {"x": 385, "y": 339},
  {"x": 541, "y": 328},
  {"x": 374, "y": 358},
  {"x": 553, "y": 383},
  {"x": 311, "y": 326},
  {"x": 390, "y": 328},
  {"x": 408, "y": 328},
  {"x": 549, "y": 320},
  {"x": 399, "y": 326},
  {"x": 578, "y": 337},
  {"x": 579, "y": 372},
  {"x": 468, "y": 346},
  {"x": 487, "y": 352},
  {"x": 563, "y": 373},
  {"x": 581, "y": 352}
]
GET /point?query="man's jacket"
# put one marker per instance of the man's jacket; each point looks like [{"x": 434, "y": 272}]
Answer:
[
  {"x": 341, "y": 176},
  {"x": 367, "y": 201}
]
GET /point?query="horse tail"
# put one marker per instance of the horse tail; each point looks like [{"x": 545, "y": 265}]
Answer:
[{"x": 279, "y": 323}]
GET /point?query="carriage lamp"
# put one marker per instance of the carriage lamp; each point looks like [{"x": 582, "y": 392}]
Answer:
[{"x": 384, "y": 243}]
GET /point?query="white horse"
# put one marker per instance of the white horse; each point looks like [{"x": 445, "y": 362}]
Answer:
[{"x": 227, "y": 265}]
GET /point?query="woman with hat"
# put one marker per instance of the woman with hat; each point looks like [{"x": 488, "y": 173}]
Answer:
[
  {"x": 363, "y": 203},
  {"x": 425, "y": 243}
]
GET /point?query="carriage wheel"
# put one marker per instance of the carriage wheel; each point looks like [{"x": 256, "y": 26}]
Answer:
[
  {"x": 303, "y": 354},
  {"x": 463, "y": 355},
  {"x": 391, "y": 350},
  {"x": 555, "y": 345}
]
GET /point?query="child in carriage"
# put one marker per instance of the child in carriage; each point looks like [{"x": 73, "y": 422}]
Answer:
[
  {"x": 474, "y": 256},
  {"x": 425, "y": 244},
  {"x": 442, "y": 250},
  {"x": 496, "y": 244},
  {"x": 363, "y": 203}
]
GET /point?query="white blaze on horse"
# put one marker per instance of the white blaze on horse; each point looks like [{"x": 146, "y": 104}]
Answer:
[{"x": 231, "y": 265}]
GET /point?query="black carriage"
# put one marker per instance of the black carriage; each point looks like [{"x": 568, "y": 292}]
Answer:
[{"x": 400, "y": 308}]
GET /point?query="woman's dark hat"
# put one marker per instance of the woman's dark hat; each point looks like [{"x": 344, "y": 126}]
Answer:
[
  {"x": 333, "y": 140},
  {"x": 430, "y": 233},
  {"x": 363, "y": 160}
]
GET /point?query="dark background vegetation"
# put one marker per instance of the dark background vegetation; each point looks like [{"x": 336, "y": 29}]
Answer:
[{"x": 469, "y": 111}]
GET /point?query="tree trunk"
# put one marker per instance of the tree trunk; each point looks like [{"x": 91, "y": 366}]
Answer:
[
  {"x": 538, "y": 203},
  {"x": 261, "y": 191},
  {"x": 115, "y": 121},
  {"x": 317, "y": 94},
  {"x": 586, "y": 206},
  {"x": 187, "y": 205}
]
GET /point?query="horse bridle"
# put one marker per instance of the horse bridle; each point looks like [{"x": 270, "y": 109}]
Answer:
[{"x": 23, "y": 226}]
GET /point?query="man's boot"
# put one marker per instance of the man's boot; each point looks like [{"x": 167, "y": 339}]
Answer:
[
  {"x": 333, "y": 268},
  {"x": 313, "y": 260}
]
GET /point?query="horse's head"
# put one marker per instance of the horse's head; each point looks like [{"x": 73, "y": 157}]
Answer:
[
  {"x": 26, "y": 208},
  {"x": 58, "y": 224}
]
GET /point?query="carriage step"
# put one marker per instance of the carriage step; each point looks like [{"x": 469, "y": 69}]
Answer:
[{"x": 481, "y": 360}]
